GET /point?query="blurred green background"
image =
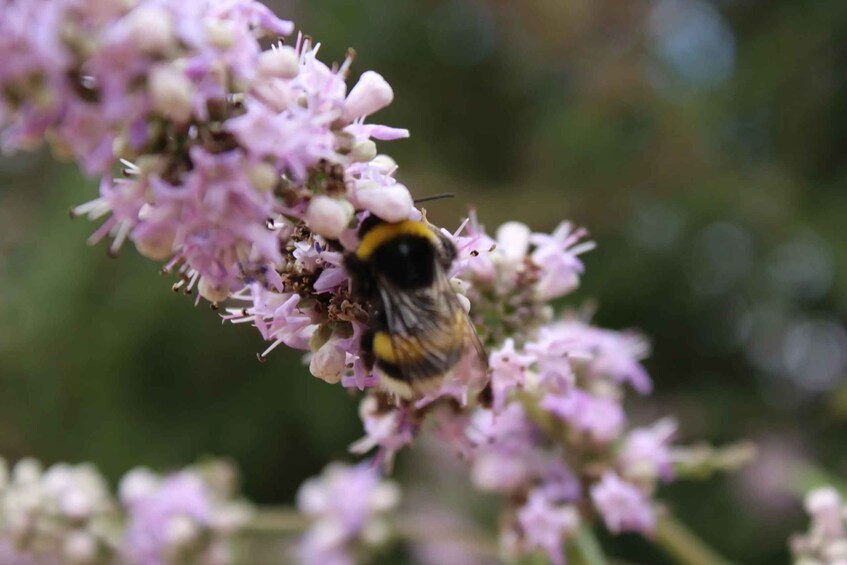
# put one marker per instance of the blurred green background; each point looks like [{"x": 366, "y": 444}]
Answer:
[{"x": 702, "y": 143}]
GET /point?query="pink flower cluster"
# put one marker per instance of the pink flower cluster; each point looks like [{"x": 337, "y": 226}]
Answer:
[
  {"x": 225, "y": 145},
  {"x": 66, "y": 514},
  {"x": 555, "y": 438},
  {"x": 188, "y": 516},
  {"x": 348, "y": 509},
  {"x": 556, "y": 442},
  {"x": 825, "y": 543}
]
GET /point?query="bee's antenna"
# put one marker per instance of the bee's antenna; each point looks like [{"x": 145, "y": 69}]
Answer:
[{"x": 435, "y": 197}]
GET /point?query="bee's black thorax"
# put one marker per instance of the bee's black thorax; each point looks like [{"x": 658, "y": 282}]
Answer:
[{"x": 408, "y": 261}]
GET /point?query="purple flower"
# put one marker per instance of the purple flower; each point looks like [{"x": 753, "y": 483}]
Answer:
[
  {"x": 559, "y": 481},
  {"x": 623, "y": 506},
  {"x": 557, "y": 255},
  {"x": 278, "y": 317},
  {"x": 186, "y": 515},
  {"x": 346, "y": 506},
  {"x": 546, "y": 525},
  {"x": 646, "y": 453},
  {"x": 167, "y": 519},
  {"x": 606, "y": 353},
  {"x": 506, "y": 457},
  {"x": 554, "y": 351},
  {"x": 508, "y": 370},
  {"x": 292, "y": 138},
  {"x": 387, "y": 429},
  {"x": 602, "y": 418}
]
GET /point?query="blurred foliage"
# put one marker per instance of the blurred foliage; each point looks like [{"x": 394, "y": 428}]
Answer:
[{"x": 702, "y": 142}]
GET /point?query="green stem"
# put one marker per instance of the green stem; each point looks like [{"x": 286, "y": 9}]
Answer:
[
  {"x": 275, "y": 521},
  {"x": 683, "y": 545},
  {"x": 587, "y": 548},
  {"x": 804, "y": 476},
  {"x": 279, "y": 521},
  {"x": 416, "y": 531}
]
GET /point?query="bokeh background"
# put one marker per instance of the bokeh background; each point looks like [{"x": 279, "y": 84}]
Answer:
[{"x": 702, "y": 142}]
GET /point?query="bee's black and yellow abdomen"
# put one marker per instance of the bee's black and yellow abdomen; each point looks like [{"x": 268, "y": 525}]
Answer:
[{"x": 413, "y": 378}]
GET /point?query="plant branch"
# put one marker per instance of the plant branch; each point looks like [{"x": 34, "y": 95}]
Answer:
[
  {"x": 281, "y": 521},
  {"x": 271, "y": 520},
  {"x": 683, "y": 545},
  {"x": 587, "y": 550}
]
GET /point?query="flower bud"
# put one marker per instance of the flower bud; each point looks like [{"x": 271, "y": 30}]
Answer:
[
  {"x": 282, "y": 62},
  {"x": 384, "y": 162},
  {"x": 27, "y": 471},
  {"x": 384, "y": 497},
  {"x": 328, "y": 362},
  {"x": 392, "y": 203},
  {"x": 263, "y": 176},
  {"x": 151, "y": 28},
  {"x": 376, "y": 533},
  {"x": 513, "y": 240},
  {"x": 212, "y": 291},
  {"x": 136, "y": 485},
  {"x": 181, "y": 531},
  {"x": 328, "y": 216},
  {"x": 371, "y": 93},
  {"x": 172, "y": 92},
  {"x": 219, "y": 32},
  {"x": 76, "y": 503},
  {"x": 156, "y": 244},
  {"x": 363, "y": 151},
  {"x": 80, "y": 547}
]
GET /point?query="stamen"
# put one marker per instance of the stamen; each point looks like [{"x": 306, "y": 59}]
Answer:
[
  {"x": 122, "y": 232},
  {"x": 194, "y": 277},
  {"x": 348, "y": 61},
  {"x": 94, "y": 209},
  {"x": 130, "y": 168}
]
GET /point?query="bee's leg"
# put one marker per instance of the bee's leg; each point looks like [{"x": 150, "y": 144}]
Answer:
[
  {"x": 358, "y": 271},
  {"x": 447, "y": 253},
  {"x": 486, "y": 396}
]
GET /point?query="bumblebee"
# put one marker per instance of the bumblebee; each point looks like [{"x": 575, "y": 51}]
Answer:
[{"x": 419, "y": 330}]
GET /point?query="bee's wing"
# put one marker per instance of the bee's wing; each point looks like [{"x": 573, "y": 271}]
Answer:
[{"x": 430, "y": 332}]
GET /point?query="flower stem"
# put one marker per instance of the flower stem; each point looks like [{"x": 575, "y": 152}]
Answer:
[
  {"x": 281, "y": 521},
  {"x": 419, "y": 531},
  {"x": 683, "y": 545},
  {"x": 587, "y": 550},
  {"x": 269, "y": 520},
  {"x": 803, "y": 476}
]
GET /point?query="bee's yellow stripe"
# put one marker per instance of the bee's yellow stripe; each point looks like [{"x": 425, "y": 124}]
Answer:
[
  {"x": 382, "y": 347},
  {"x": 414, "y": 349},
  {"x": 382, "y": 233}
]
